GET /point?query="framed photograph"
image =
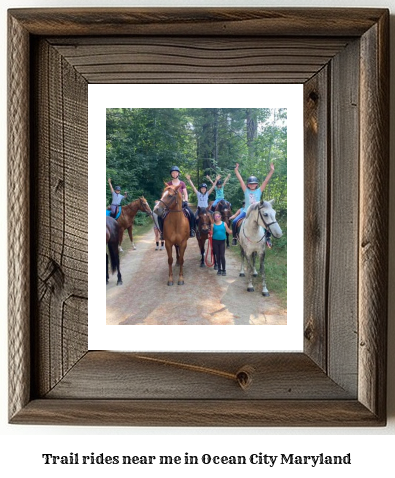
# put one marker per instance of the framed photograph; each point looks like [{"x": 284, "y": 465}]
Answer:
[{"x": 340, "y": 60}]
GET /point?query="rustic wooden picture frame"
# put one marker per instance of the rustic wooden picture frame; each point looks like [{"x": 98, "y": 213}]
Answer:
[{"x": 342, "y": 58}]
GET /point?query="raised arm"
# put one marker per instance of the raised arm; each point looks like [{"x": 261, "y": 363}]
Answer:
[
  {"x": 109, "y": 182},
  {"x": 214, "y": 184},
  {"x": 238, "y": 176},
  {"x": 188, "y": 176},
  {"x": 227, "y": 179},
  {"x": 208, "y": 177},
  {"x": 264, "y": 184}
]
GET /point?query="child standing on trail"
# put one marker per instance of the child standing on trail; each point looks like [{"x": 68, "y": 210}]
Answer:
[
  {"x": 157, "y": 231},
  {"x": 252, "y": 194},
  {"x": 218, "y": 231},
  {"x": 116, "y": 198},
  {"x": 219, "y": 190}
]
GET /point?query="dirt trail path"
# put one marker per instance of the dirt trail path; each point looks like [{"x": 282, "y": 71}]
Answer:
[{"x": 204, "y": 299}]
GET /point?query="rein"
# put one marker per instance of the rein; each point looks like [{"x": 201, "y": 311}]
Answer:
[{"x": 210, "y": 245}]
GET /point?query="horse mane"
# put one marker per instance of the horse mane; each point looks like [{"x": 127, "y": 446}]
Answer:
[{"x": 255, "y": 206}]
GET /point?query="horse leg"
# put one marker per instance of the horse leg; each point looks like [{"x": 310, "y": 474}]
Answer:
[
  {"x": 121, "y": 230},
  {"x": 254, "y": 273},
  {"x": 201, "y": 246},
  {"x": 169, "y": 249},
  {"x": 130, "y": 232},
  {"x": 242, "y": 273},
  {"x": 119, "y": 281},
  {"x": 177, "y": 255},
  {"x": 265, "y": 292},
  {"x": 107, "y": 276},
  {"x": 181, "y": 259},
  {"x": 250, "y": 286}
]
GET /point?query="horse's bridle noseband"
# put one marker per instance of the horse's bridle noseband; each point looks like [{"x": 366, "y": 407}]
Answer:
[
  {"x": 167, "y": 208},
  {"x": 267, "y": 227}
]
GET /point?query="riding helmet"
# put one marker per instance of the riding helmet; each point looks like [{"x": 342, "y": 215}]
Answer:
[
  {"x": 252, "y": 180},
  {"x": 203, "y": 185},
  {"x": 219, "y": 182},
  {"x": 175, "y": 168},
  {"x": 117, "y": 188}
]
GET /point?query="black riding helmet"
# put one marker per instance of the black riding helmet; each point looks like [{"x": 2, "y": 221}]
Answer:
[
  {"x": 252, "y": 180},
  {"x": 117, "y": 188},
  {"x": 219, "y": 182},
  {"x": 203, "y": 185}
]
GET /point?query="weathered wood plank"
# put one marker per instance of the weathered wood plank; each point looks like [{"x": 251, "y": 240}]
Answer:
[
  {"x": 344, "y": 218},
  {"x": 198, "y": 21},
  {"x": 196, "y": 376},
  {"x": 62, "y": 176},
  {"x": 202, "y": 413},
  {"x": 373, "y": 240},
  {"x": 316, "y": 206}
]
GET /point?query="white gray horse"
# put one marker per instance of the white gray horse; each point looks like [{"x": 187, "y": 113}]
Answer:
[{"x": 252, "y": 240}]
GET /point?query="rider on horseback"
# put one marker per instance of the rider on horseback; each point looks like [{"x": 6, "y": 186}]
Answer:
[
  {"x": 252, "y": 194},
  {"x": 219, "y": 190},
  {"x": 175, "y": 173},
  {"x": 116, "y": 198},
  {"x": 202, "y": 196}
]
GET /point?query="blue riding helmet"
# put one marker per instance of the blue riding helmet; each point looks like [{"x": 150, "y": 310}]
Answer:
[
  {"x": 117, "y": 188},
  {"x": 252, "y": 180},
  {"x": 175, "y": 168}
]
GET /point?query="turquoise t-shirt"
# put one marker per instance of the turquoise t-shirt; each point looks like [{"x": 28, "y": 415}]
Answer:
[
  {"x": 219, "y": 232},
  {"x": 219, "y": 193},
  {"x": 251, "y": 197}
]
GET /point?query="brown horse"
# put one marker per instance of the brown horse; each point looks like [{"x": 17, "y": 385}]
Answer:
[
  {"x": 204, "y": 227},
  {"x": 128, "y": 213},
  {"x": 175, "y": 228},
  {"x": 112, "y": 241}
]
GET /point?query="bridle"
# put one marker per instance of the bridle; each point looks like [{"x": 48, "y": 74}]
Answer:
[
  {"x": 267, "y": 227},
  {"x": 167, "y": 206},
  {"x": 144, "y": 206},
  {"x": 201, "y": 223}
]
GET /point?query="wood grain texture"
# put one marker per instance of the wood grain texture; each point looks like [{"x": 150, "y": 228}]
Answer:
[
  {"x": 73, "y": 386},
  {"x": 163, "y": 59},
  {"x": 196, "y": 375},
  {"x": 202, "y": 413},
  {"x": 373, "y": 240},
  {"x": 344, "y": 216},
  {"x": 61, "y": 235},
  {"x": 316, "y": 213},
  {"x": 18, "y": 218},
  {"x": 259, "y": 22}
]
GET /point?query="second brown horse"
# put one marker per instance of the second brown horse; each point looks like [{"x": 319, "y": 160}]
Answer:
[{"x": 175, "y": 228}]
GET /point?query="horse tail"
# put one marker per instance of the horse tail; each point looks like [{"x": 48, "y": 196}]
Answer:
[{"x": 114, "y": 255}]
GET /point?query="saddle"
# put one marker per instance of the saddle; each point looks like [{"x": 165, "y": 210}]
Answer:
[
  {"x": 185, "y": 211},
  {"x": 239, "y": 223},
  {"x": 108, "y": 212}
]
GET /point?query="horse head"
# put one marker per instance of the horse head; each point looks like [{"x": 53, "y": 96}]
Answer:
[
  {"x": 204, "y": 220},
  {"x": 144, "y": 206},
  {"x": 266, "y": 217},
  {"x": 170, "y": 200},
  {"x": 225, "y": 210}
]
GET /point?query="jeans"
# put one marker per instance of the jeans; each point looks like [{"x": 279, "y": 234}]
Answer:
[{"x": 242, "y": 214}]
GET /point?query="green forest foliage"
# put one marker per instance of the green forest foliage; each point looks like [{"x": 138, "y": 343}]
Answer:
[{"x": 143, "y": 144}]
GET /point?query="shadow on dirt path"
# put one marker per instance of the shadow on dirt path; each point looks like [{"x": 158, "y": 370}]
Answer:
[{"x": 204, "y": 299}]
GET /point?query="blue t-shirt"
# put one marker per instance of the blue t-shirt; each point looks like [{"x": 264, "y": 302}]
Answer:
[
  {"x": 219, "y": 193},
  {"x": 251, "y": 197},
  {"x": 219, "y": 232}
]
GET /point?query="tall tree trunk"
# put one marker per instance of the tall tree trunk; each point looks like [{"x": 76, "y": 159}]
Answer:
[{"x": 252, "y": 132}]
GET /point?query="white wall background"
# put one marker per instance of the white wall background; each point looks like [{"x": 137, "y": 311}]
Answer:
[{"x": 21, "y": 446}]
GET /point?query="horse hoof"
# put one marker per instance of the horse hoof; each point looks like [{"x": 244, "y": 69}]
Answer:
[
  {"x": 180, "y": 282},
  {"x": 215, "y": 267},
  {"x": 255, "y": 275},
  {"x": 119, "y": 282},
  {"x": 250, "y": 289},
  {"x": 170, "y": 283},
  {"x": 202, "y": 265},
  {"x": 265, "y": 294},
  {"x": 242, "y": 274}
]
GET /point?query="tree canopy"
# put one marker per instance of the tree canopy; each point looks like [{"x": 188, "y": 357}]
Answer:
[{"x": 143, "y": 144}]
